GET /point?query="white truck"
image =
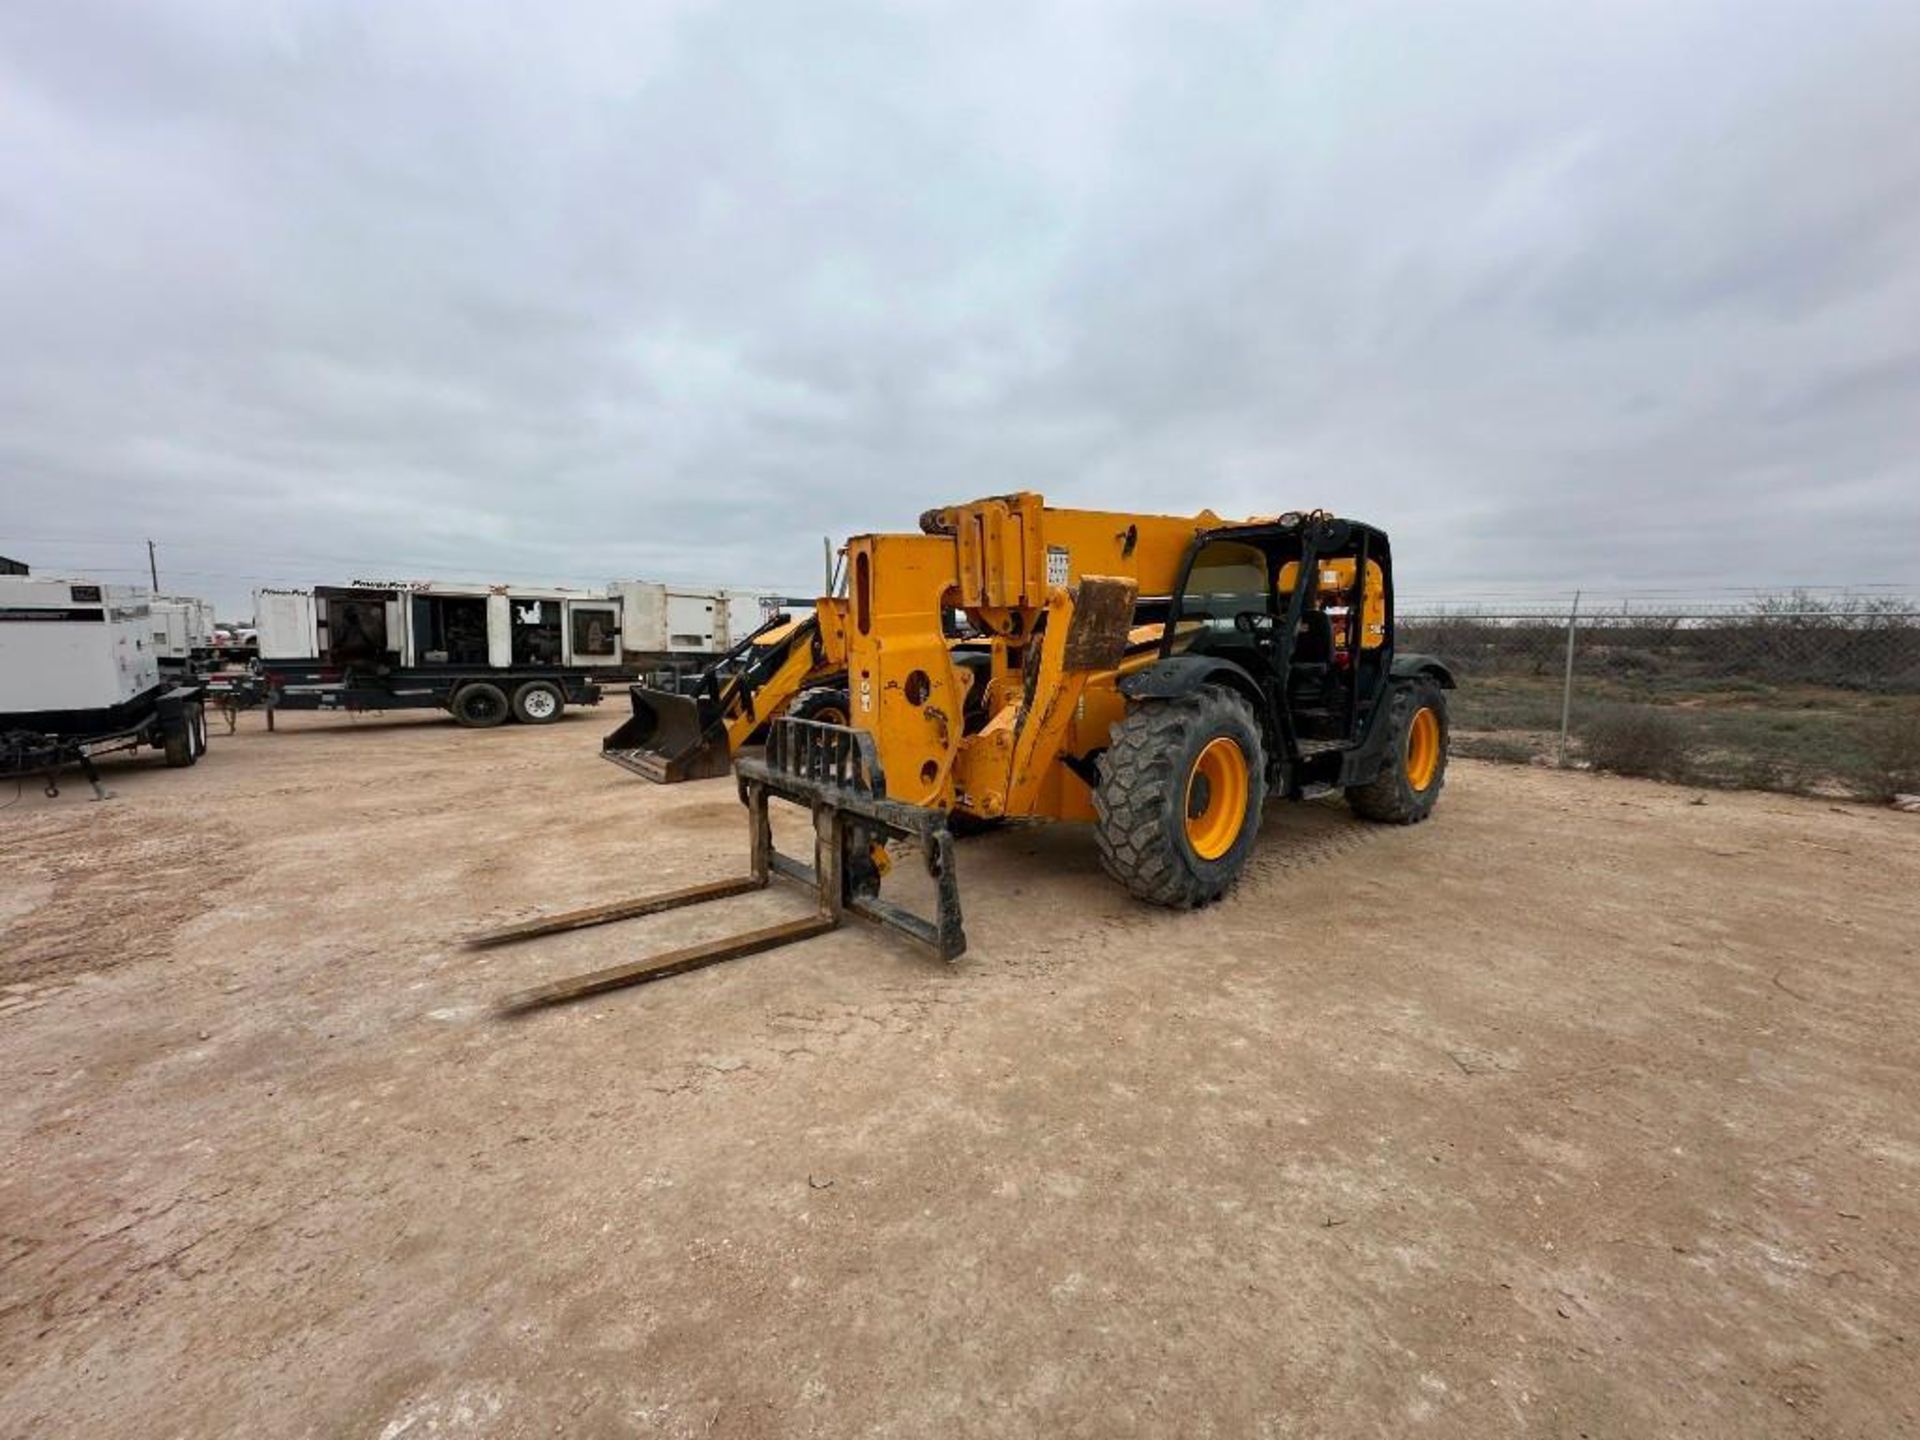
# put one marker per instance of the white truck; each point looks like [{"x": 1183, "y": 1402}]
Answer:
[
  {"x": 80, "y": 677},
  {"x": 485, "y": 653}
]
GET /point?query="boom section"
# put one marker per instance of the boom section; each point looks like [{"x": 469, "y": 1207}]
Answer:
[{"x": 942, "y": 630}]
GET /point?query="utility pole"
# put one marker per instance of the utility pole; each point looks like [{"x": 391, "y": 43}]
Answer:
[{"x": 153, "y": 568}]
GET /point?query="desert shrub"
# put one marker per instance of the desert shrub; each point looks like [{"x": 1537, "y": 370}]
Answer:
[
  {"x": 1636, "y": 740},
  {"x": 1892, "y": 744},
  {"x": 1625, "y": 664},
  {"x": 1755, "y": 770},
  {"x": 1493, "y": 747}
]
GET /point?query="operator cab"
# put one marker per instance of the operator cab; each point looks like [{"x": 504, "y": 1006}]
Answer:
[{"x": 1304, "y": 605}]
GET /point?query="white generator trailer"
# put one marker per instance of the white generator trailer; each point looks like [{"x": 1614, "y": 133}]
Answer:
[
  {"x": 484, "y": 653},
  {"x": 80, "y": 678},
  {"x": 182, "y": 634}
]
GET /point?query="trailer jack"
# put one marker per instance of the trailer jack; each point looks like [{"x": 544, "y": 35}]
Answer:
[{"x": 830, "y": 770}]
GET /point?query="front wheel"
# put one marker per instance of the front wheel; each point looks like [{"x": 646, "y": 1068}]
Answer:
[
  {"x": 1179, "y": 799},
  {"x": 1415, "y": 765}
]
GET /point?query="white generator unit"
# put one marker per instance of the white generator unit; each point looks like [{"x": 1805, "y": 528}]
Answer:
[
  {"x": 182, "y": 628},
  {"x": 658, "y": 621},
  {"x": 73, "y": 645},
  {"x": 80, "y": 676},
  {"x": 436, "y": 623},
  {"x": 486, "y": 653}
]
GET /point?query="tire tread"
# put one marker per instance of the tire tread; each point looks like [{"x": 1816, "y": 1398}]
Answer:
[
  {"x": 1139, "y": 797},
  {"x": 1388, "y": 798}
]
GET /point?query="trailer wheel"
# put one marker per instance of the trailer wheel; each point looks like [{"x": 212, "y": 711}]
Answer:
[
  {"x": 197, "y": 722},
  {"x": 176, "y": 739},
  {"x": 479, "y": 706},
  {"x": 537, "y": 703}
]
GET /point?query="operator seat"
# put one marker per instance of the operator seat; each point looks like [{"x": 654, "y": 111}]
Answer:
[{"x": 1311, "y": 679}]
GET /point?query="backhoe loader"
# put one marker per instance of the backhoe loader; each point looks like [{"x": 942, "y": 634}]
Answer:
[
  {"x": 694, "y": 734},
  {"x": 1157, "y": 677}
]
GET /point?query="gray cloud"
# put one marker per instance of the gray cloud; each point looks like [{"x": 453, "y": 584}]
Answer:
[{"x": 1601, "y": 296}]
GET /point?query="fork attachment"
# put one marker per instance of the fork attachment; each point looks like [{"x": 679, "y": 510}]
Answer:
[
  {"x": 831, "y": 771},
  {"x": 834, "y": 771}
]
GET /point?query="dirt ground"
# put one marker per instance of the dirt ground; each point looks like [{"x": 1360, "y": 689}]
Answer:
[{"x": 1585, "y": 1110}]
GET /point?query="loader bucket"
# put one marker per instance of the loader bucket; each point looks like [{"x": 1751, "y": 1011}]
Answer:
[{"x": 669, "y": 739}]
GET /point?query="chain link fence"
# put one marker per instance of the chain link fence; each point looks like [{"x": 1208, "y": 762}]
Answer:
[{"x": 1806, "y": 696}]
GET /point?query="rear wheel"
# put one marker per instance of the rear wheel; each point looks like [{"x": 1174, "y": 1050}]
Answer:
[
  {"x": 828, "y": 705},
  {"x": 479, "y": 706},
  {"x": 1415, "y": 767},
  {"x": 538, "y": 702},
  {"x": 1179, "y": 799}
]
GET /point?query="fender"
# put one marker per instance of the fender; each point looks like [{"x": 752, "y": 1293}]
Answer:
[
  {"x": 172, "y": 706},
  {"x": 1179, "y": 675},
  {"x": 1408, "y": 667}
]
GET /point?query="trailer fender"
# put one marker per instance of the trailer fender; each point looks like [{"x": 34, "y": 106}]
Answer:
[{"x": 1410, "y": 667}]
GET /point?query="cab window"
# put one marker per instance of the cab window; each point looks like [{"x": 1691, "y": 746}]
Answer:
[{"x": 1228, "y": 577}]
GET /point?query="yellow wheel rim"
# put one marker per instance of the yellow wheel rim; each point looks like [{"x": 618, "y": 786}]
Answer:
[
  {"x": 1423, "y": 748},
  {"x": 1216, "y": 798}
]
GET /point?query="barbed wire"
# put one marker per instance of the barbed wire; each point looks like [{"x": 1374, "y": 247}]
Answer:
[{"x": 1765, "y": 605}]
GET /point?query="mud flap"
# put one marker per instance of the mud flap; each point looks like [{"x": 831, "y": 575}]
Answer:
[{"x": 670, "y": 738}]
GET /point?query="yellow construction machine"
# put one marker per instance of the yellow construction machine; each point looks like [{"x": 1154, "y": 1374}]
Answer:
[
  {"x": 694, "y": 733},
  {"x": 1157, "y": 677}
]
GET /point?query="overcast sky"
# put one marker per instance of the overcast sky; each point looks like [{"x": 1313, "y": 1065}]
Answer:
[{"x": 1622, "y": 296}]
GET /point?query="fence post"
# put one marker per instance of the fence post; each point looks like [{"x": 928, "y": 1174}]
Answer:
[{"x": 1566, "y": 685}]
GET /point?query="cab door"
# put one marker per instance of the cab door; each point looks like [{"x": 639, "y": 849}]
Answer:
[{"x": 593, "y": 632}]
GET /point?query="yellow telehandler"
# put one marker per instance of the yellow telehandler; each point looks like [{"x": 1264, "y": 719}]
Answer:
[{"x": 1155, "y": 676}]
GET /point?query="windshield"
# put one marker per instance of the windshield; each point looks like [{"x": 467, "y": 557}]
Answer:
[{"x": 1228, "y": 577}]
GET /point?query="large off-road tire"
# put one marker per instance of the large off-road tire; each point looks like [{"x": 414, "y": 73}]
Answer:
[
  {"x": 825, "y": 703},
  {"x": 1415, "y": 767},
  {"x": 538, "y": 702},
  {"x": 1179, "y": 799},
  {"x": 480, "y": 705}
]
